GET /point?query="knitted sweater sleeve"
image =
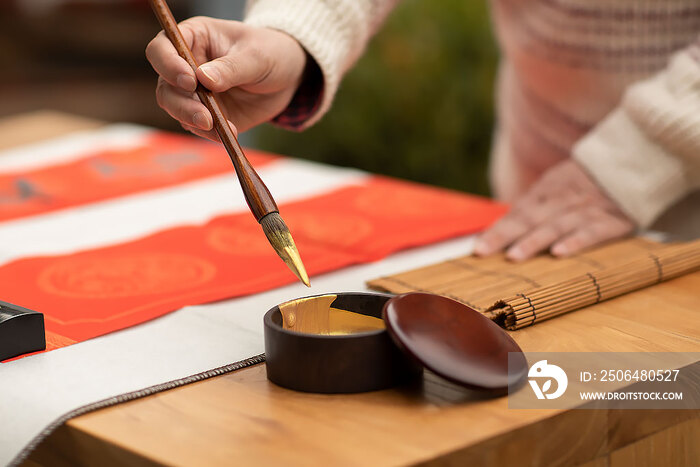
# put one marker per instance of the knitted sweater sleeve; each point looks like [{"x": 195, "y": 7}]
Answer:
[
  {"x": 646, "y": 153},
  {"x": 333, "y": 32}
]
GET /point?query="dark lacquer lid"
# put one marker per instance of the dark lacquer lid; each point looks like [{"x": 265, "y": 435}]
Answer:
[{"x": 454, "y": 341}]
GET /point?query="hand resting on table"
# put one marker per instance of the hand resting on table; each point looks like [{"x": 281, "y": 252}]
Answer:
[{"x": 564, "y": 211}]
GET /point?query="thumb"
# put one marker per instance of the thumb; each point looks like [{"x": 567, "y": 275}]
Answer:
[{"x": 230, "y": 71}]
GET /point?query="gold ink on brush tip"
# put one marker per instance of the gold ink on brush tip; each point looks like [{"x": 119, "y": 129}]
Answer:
[
  {"x": 281, "y": 240},
  {"x": 294, "y": 262}
]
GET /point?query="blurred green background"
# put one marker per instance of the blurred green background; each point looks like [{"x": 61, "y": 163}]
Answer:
[{"x": 419, "y": 103}]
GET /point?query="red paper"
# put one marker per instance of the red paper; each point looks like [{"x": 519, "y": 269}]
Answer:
[
  {"x": 98, "y": 291},
  {"x": 164, "y": 160}
]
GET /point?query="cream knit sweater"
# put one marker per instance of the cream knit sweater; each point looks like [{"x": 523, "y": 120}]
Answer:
[{"x": 613, "y": 83}]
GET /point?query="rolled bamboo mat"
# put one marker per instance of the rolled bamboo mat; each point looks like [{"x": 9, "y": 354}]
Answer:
[{"x": 516, "y": 295}]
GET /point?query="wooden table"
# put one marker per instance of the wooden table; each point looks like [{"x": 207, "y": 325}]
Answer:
[{"x": 242, "y": 419}]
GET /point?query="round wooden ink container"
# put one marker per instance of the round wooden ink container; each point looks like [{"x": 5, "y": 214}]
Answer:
[
  {"x": 363, "y": 360},
  {"x": 354, "y": 342}
]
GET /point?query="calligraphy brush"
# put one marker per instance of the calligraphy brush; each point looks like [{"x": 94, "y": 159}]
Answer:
[{"x": 259, "y": 199}]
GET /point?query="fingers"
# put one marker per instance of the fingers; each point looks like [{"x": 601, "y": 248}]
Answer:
[
  {"x": 606, "y": 226},
  {"x": 500, "y": 235},
  {"x": 183, "y": 106},
  {"x": 564, "y": 210},
  {"x": 237, "y": 68},
  {"x": 235, "y": 65},
  {"x": 210, "y": 135},
  {"x": 525, "y": 216},
  {"x": 543, "y": 236},
  {"x": 164, "y": 59},
  {"x": 566, "y": 235}
]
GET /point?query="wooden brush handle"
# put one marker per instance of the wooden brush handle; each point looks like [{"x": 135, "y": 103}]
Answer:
[{"x": 256, "y": 193}]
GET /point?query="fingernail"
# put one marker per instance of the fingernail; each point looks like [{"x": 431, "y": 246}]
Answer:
[
  {"x": 515, "y": 254},
  {"x": 481, "y": 248},
  {"x": 186, "y": 82},
  {"x": 201, "y": 121},
  {"x": 211, "y": 72},
  {"x": 559, "y": 250}
]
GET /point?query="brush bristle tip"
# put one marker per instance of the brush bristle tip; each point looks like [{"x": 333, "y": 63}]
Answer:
[{"x": 281, "y": 240}]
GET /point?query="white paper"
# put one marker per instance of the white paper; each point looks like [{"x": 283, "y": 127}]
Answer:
[{"x": 37, "y": 390}]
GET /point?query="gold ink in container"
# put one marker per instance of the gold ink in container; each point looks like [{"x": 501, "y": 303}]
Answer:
[{"x": 316, "y": 315}]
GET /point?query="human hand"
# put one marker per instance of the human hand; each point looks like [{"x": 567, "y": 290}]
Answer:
[
  {"x": 256, "y": 72},
  {"x": 564, "y": 211}
]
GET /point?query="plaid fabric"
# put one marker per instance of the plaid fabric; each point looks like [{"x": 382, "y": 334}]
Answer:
[{"x": 306, "y": 100}]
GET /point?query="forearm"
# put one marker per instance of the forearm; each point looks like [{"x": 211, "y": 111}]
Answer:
[{"x": 646, "y": 153}]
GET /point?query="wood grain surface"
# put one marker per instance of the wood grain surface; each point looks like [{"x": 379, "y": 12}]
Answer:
[{"x": 242, "y": 419}]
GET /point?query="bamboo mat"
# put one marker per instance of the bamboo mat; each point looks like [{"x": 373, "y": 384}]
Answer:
[{"x": 516, "y": 295}]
